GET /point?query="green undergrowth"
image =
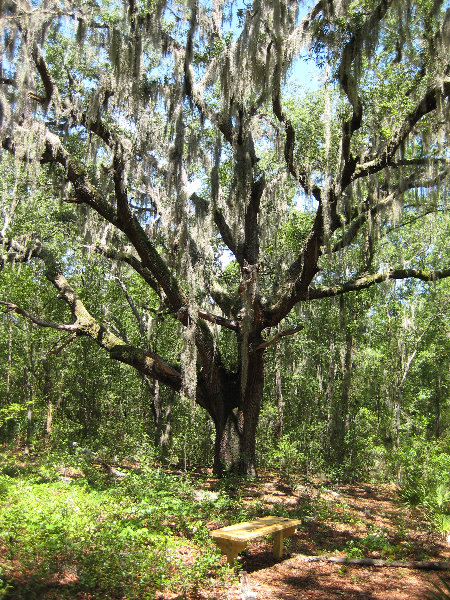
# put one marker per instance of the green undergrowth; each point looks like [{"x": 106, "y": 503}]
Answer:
[
  {"x": 68, "y": 530},
  {"x": 61, "y": 536},
  {"x": 425, "y": 481}
]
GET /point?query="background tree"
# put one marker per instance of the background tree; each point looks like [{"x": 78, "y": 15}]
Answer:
[{"x": 171, "y": 128}]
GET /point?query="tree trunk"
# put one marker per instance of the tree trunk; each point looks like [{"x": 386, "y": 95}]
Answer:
[
  {"x": 437, "y": 408},
  {"x": 332, "y": 368},
  {"x": 340, "y": 413},
  {"x": 47, "y": 393},
  {"x": 48, "y": 422},
  {"x": 28, "y": 392},
  {"x": 223, "y": 454},
  {"x": 279, "y": 391},
  {"x": 163, "y": 421},
  {"x": 235, "y": 423},
  {"x": 8, "y": 373},
  {"x": 249, "y": 409}
]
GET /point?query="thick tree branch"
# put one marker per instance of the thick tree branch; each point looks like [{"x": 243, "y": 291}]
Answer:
[
  {"x": 367, "y": 281},
  {"x": 373, "y": 210},
  {"x": 132, "y": 261},
  {"x": 300, "y": 273},
  {"x": 385, "y": 157},
  {"x": 46, "y": 78},
  {"x": 147, "y": 363},
  {"x": 224, "y": 301},
  {"x": 218, "y": 320},
  {"x": 420, "y": 162},
  {"x": 92, "y": 125},
  {"x": 352, "y": 50},
  {"x": 218, "y": 216},
  {"x": 85, "y": 193},
  {"x": 227, "y": 235},
  {"x": 289, "y": 144},
  {"x": 251, "y": 228},
  {"x": 183, "y": 316}
]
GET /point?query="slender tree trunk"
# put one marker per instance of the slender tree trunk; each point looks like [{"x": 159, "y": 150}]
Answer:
[
  {"x": 51, "y": 408},
  {"x": 164, "y": 423},
  {"x": 48, "y": 421},
  {"x": 47, "y": 393},
  {"x": 397, "y": 404},
  {"x": 28, "y": 389},
  {"x": 279, "y": 391},
  {"x": 338, "y": 421},
  {"x": 437, "y": 408},
  {"x": 8, "y": 373},
  {"x": 330, "y": 388},
  {"x": 342, "y": 413},
  {"x": 162, "y": 415}
]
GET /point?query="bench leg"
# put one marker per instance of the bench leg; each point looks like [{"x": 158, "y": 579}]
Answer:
[
  {"x": 278, "y": 538},
  {"x": 278, "y": 545},
  {"x": 231, "y": 549}
]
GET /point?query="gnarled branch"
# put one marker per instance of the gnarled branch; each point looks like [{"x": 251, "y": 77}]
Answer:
[
  {"x": 10, "y": 307},
  {"x": 348, "y": 83},
  {"x": 277, "y": 337},
  {"x": 367, "y": 281},
  {"x": 385, "y": 158}
]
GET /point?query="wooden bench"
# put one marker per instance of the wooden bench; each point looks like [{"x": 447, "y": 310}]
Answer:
[{"x": 233, "y": 539}]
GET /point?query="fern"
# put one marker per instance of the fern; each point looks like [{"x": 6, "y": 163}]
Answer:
[{"x": 439, "y": 593}]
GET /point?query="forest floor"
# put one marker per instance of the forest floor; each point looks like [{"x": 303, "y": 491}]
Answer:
[
  {"x": 62, "y": 536},
  {"x": 349, "y": 520}
]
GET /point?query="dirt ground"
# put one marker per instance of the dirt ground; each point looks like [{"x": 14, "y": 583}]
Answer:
[
  {"x": 337, "y": 521},
  {"x": 351, "y": 517}
]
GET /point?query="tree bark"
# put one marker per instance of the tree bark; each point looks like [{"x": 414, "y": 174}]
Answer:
[
  {"x": 28, "y": 393},
  {"x": 279, "y": 391},
  {"x": 162, "y": 412},
  {"x": 249, "y": 409},
  {"x": 332, "y": 368},
  {"x": 223, "y": 451},
  {"x": 47, "y": 394},
  {"x": 340, "y": 408},
  {"x": 437, "y": 407},
  {"x": 8, "y": 373}
]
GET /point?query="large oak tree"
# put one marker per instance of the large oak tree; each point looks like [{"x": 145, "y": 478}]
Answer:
[{"x": 181, "y": 129}]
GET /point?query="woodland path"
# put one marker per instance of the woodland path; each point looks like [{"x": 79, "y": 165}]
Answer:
[{"x": 356, "y": 520}]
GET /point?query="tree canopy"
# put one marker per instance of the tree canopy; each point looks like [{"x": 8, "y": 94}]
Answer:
[{"x": 180, "y": 142}]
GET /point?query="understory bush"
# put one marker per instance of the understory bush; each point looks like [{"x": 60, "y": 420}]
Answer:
[
  {"x": 424, "y": 479},
  {"x": 106, "y": 537}
]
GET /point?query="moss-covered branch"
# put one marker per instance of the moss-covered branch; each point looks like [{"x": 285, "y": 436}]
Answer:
[
  {"x": 426, "y": 104},
  {"x": 147, "y": 363},
  {"x": 10, "y": 307},
  {"x": 367, "y": 281}
]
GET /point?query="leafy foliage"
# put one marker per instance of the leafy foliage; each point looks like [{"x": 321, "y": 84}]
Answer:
[{"x": 113, "y": 539}]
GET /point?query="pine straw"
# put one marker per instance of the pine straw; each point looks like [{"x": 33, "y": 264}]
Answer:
[{"x": 364, "y": 509}]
